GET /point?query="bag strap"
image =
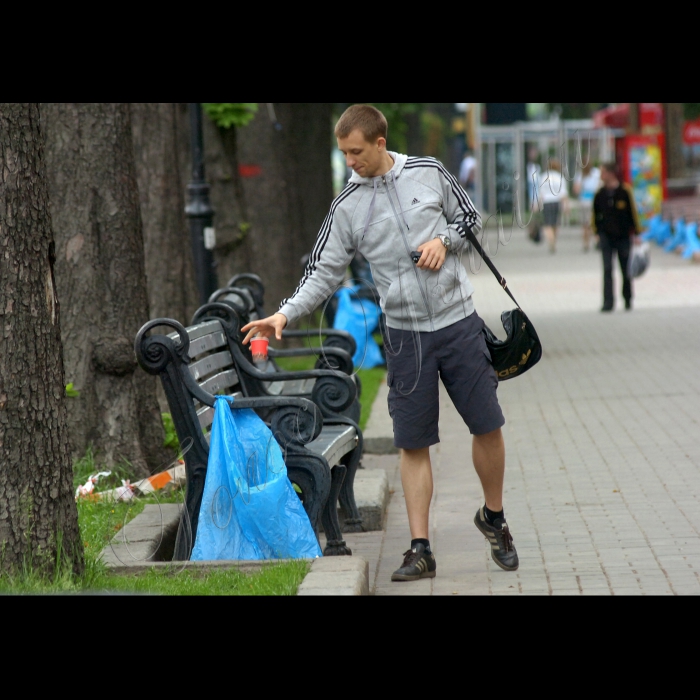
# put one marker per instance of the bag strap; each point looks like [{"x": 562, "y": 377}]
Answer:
[{"x": 467, "y": 229}]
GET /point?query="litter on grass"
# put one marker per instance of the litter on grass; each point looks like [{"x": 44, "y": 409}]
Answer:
[{"x": 128, "y": 491}]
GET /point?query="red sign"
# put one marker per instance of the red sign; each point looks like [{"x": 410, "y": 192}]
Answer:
[
  {"x": 691, "y": 133},
  {"x": 249, "y": 170},
  {"x": 613, "y": 117},
  {"x": 651, "y": 114}
]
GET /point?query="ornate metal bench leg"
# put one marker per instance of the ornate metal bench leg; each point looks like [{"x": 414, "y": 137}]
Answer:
[
  {"x": 314, "y": 480},
  {"x": 336, "y": 546},
  {"x": 189, "y": 521},
  {"x": 349, "y": 510}
]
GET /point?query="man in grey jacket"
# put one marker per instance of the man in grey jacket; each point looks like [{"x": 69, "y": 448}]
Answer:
[{"x": 405, "y": 216}]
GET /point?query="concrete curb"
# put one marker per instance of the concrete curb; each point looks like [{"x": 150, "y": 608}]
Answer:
[
  {"x": 149, "y": 536},
  {"x": 372, "y": 498},
  {"x": 379, "y": 435},
  {"x": 337, "y": 576}
]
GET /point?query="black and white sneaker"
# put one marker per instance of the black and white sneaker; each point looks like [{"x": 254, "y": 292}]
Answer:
[
  {"x": 418, "y": 564},
  {"x": 502, "y": 548}
]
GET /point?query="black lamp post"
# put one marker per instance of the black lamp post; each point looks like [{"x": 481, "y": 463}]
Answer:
[{"x": 199, "y": 211}]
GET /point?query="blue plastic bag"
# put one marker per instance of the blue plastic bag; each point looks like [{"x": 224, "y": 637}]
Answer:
[
  {"x": 360, "y": 318},
  {"x": 250, "y": 511}
]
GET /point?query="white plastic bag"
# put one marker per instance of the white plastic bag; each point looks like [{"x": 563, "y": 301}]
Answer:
[{"x": 640, "y": 259}]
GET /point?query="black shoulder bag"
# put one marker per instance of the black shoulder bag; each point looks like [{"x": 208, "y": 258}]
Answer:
[{"x": 522, "y": 349}]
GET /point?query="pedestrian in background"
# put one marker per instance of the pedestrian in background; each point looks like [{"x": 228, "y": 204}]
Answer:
[
  {"x": 554, "y": 195},
  {"x": 616, "y": 222},
  {"x": 534, "y": 171},
  {"x": 586, "y": 186},
  {"x": 467, "y": 173}
]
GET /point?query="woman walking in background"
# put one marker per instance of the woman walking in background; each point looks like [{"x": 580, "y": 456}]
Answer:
[
  {"x": 554, "y": 194},
  {"x": 586, "y": 187}
]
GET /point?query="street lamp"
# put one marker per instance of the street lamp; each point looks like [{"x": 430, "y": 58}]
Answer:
[{"x": 199, "y": 211}]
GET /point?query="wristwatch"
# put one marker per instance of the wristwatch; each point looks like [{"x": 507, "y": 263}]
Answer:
[{"x": 446, "y": 241}]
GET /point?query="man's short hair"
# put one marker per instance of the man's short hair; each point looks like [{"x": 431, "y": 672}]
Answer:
[
  {"x": 611, "y": 167},
  {"x": 369, "y": 120}
]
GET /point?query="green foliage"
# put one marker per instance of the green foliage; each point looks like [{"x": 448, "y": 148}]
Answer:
[
  {"x": 229, "y": 114},
  {"x": 171, "y": 439},
  {"x": 692, "y": 110},
  {"x": 71, "y": 393}
]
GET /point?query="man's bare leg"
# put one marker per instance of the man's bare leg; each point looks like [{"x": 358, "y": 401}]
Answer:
[
  {"x": 490, "y": 462},
  {"x": 417, "y": 479},
  {"x": 489, "y": 453}
]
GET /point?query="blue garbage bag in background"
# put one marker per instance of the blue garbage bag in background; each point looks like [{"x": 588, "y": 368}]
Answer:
[
  {"x": 250, "y": 511},
  {"x": 360, "y": 318}
]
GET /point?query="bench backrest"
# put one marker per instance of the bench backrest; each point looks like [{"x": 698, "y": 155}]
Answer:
[{"x": 211, "y": 366}]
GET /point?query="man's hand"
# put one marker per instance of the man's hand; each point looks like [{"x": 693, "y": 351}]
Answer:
[
  {"x": 434, "y": 255},
  {"x": 266, "y": 328}
]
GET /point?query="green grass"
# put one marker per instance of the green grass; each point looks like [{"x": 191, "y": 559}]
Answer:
[
  {"x": 100, "y": 522},
  {"x": 372, "y": 379}
]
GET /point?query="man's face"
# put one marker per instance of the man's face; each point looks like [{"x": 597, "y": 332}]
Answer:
[
  {"x": 607, "y": 177},
  {"x": 365, "y": 158}
]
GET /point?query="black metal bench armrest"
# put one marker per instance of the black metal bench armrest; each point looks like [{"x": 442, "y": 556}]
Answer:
[
  {"x": 333, "y": 392},
  {"x": 334, "y": 339},
  {"x": 327, "y": 358}
]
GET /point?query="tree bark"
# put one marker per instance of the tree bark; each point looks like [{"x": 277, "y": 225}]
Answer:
[
  {"x": 675, "y": 120},
  {"x": 38, "y": 516},
  {"x": 101, "y": 278},
  {"x": 158, "y": 139},
  {"x": 271, "y": 189}
]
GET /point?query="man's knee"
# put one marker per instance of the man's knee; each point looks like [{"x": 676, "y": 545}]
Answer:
[
  {"x": 416, "y": 455},
  {"x": 495, "y": 437}
]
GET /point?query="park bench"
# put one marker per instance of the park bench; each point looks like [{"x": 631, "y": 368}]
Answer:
[
  {"x": 333, "y": 391},
  {"x": 195, "y": 366}
]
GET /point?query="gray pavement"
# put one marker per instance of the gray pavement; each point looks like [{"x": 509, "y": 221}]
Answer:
[{"x": 603, "y": 441}]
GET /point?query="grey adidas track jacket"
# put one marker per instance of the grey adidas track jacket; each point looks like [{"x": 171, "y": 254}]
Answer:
[{"x": 385, "y": 218}]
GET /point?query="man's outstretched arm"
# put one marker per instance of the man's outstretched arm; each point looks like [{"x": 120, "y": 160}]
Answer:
[{"x": 328, "y": 264}]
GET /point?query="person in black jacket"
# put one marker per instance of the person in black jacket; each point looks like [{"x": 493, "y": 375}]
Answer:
[{"x": 616, "y": 222}]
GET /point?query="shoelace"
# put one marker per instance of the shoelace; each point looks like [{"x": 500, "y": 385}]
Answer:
[
  {"x": 507, "y": 538},
  {"x": 411, "y": 558}
]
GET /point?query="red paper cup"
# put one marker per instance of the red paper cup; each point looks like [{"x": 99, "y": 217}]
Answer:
[{"x": 259, "y": 347}]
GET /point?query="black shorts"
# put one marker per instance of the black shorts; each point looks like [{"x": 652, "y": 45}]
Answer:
[{"x": 460, "y": 357}]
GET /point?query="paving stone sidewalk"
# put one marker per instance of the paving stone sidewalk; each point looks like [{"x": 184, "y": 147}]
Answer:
[{"x": 603, "y": 441}]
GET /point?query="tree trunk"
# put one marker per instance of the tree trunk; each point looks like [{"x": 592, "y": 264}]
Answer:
[
  {"x": 271, "y": 189},
  {"x": 158, "y": 138},
  {"x": 38, "y": 516},
  {"x": 675, "y": 120},
  {"x": 101, "y": 278},
  {"x": 634, "y": 121}
]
